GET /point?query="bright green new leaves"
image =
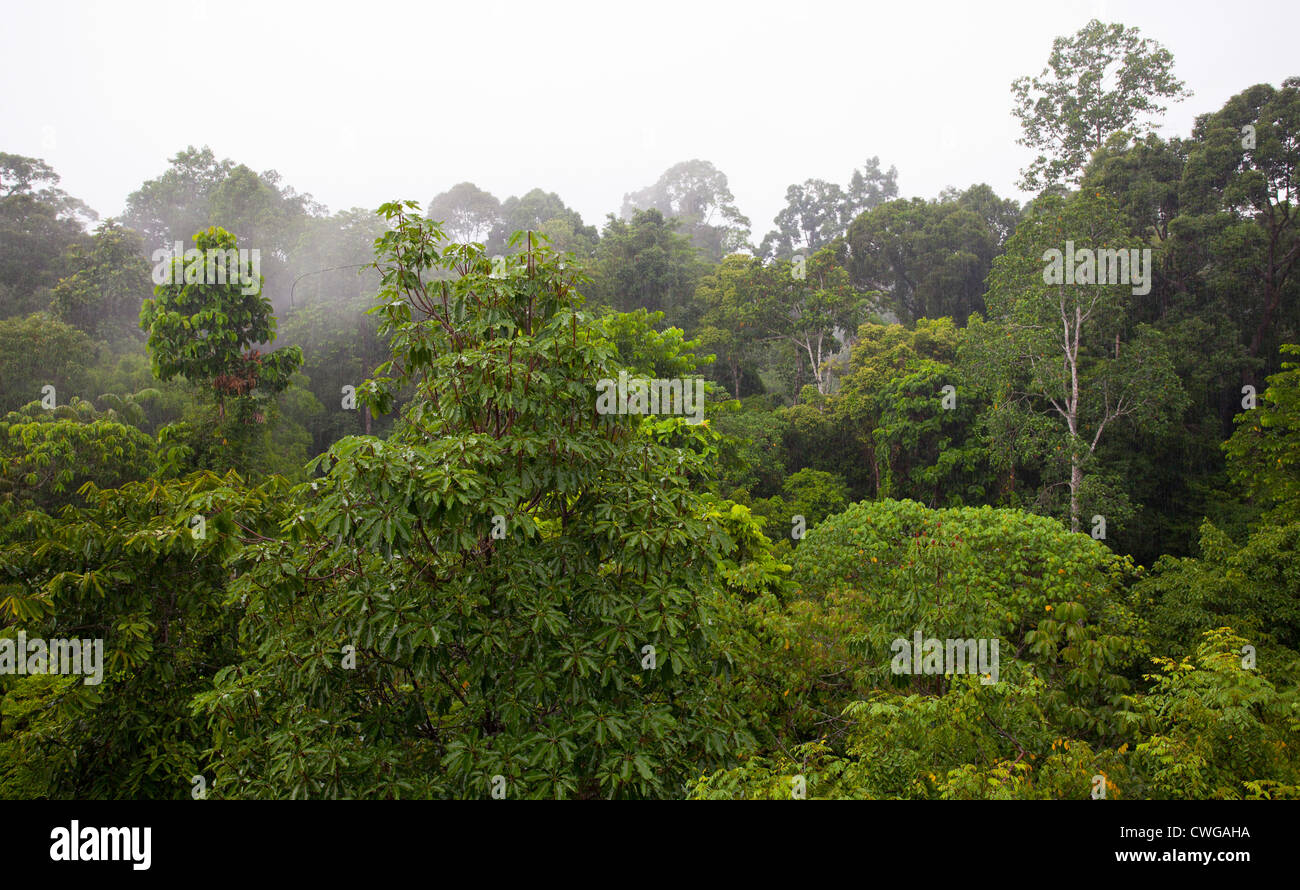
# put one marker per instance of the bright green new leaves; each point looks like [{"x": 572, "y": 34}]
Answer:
[
  {"x": 749, "y": 566},
  {"x": 46, "y": 455},
  {"x": 648, "y": 352},
  {"x": 1214, "y": 728}
]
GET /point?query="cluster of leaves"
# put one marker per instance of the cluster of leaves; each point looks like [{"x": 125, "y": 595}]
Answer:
[
  {"x": 205, "y": 330},
  {"x": 1070, "y": 710},
  {"x": 520, "y": 654},
  {"x": 141, "y": 567},
  {"x": 103, "y": 295},
  {"x": 46, "y": 455}
]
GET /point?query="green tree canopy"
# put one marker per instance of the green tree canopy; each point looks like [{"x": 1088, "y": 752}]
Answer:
[
  {"x": 496, "y": 568},
  {"x": 1102, "y": 80}
]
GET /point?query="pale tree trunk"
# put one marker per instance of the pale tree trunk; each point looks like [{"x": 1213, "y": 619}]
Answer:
[
  {"x": 1072, "y": 410},
  {"x": 815, "y": 359},
  {"x": 1076, "y": 479}
]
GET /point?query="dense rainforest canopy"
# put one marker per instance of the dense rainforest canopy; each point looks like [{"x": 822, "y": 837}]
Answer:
[{"x": 979, "y": 499}]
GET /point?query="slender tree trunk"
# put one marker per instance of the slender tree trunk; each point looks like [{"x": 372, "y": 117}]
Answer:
[{"x": 1076, "y": 479}]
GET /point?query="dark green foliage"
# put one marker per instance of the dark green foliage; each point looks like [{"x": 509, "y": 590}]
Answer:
[{"x": 520, "y": 655}]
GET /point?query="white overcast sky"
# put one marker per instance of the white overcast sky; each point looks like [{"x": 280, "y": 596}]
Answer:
[{"x": 363, "y": 102}]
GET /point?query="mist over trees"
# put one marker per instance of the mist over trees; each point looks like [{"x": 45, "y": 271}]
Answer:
[{"x": 351, "y": 521}]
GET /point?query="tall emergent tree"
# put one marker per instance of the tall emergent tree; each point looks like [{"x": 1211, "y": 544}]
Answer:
[
  {"x": 512, "y": 595},
  {"x": 1241, "y": 206},
  {"x": 109, "y": 282},
  {"x": 1058, "y": 357},
  {"x": 1103, "y": 80},
  {"x": 204, "y": 325},
  {"x": 696, "y": 192},
  {"x": 544, "y": 212},
  {"x": 39, "y": 222},
  {"x": 647, "y": 263},
  {"x": 729, "y": 328},
  {"x": 811, "y": 307},
  {"x": 817, "y": 212},
  {"x": 467, "y": 212}
]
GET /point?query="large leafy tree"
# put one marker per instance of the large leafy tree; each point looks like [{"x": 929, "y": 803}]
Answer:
[
  {"x": 1059, "y": 362},
  {"x": 207, "y": 332},
  {"x": 520, "y": 654},
  {"x": 1143, "y": 178},
  {"x": 39, "y": 223},
  {"x": 696, "y": 192},
  {"x": 817, "y": 211},
  {"x": 545, "y": 212},
  {"x": 262, "y": 213},
  {"x": 731, "y": 293},
  {"x": 1201, "y": 299},
  {"x": 468, "y": 213},
  {"x": 1204, "y": 610},
  {"x": 647, "y": 263},
  {"x": 176, "y": 204},
  {"x": 813, "y": 216},
  {"x": 198, "y": 191},
  {"x": 931, "y": 258},
  {"x": 109, "y": 282},
  {"x": 813, "y": 308},
  {"x": 1102, "y": 80},
  {"x": 1239, "y": 197},
  {"x": 204, "y": 330},
  {"x": 890, "y": 429},
  {"x": 870, "y": 187},
  {"x": 805, "y": 309}
]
